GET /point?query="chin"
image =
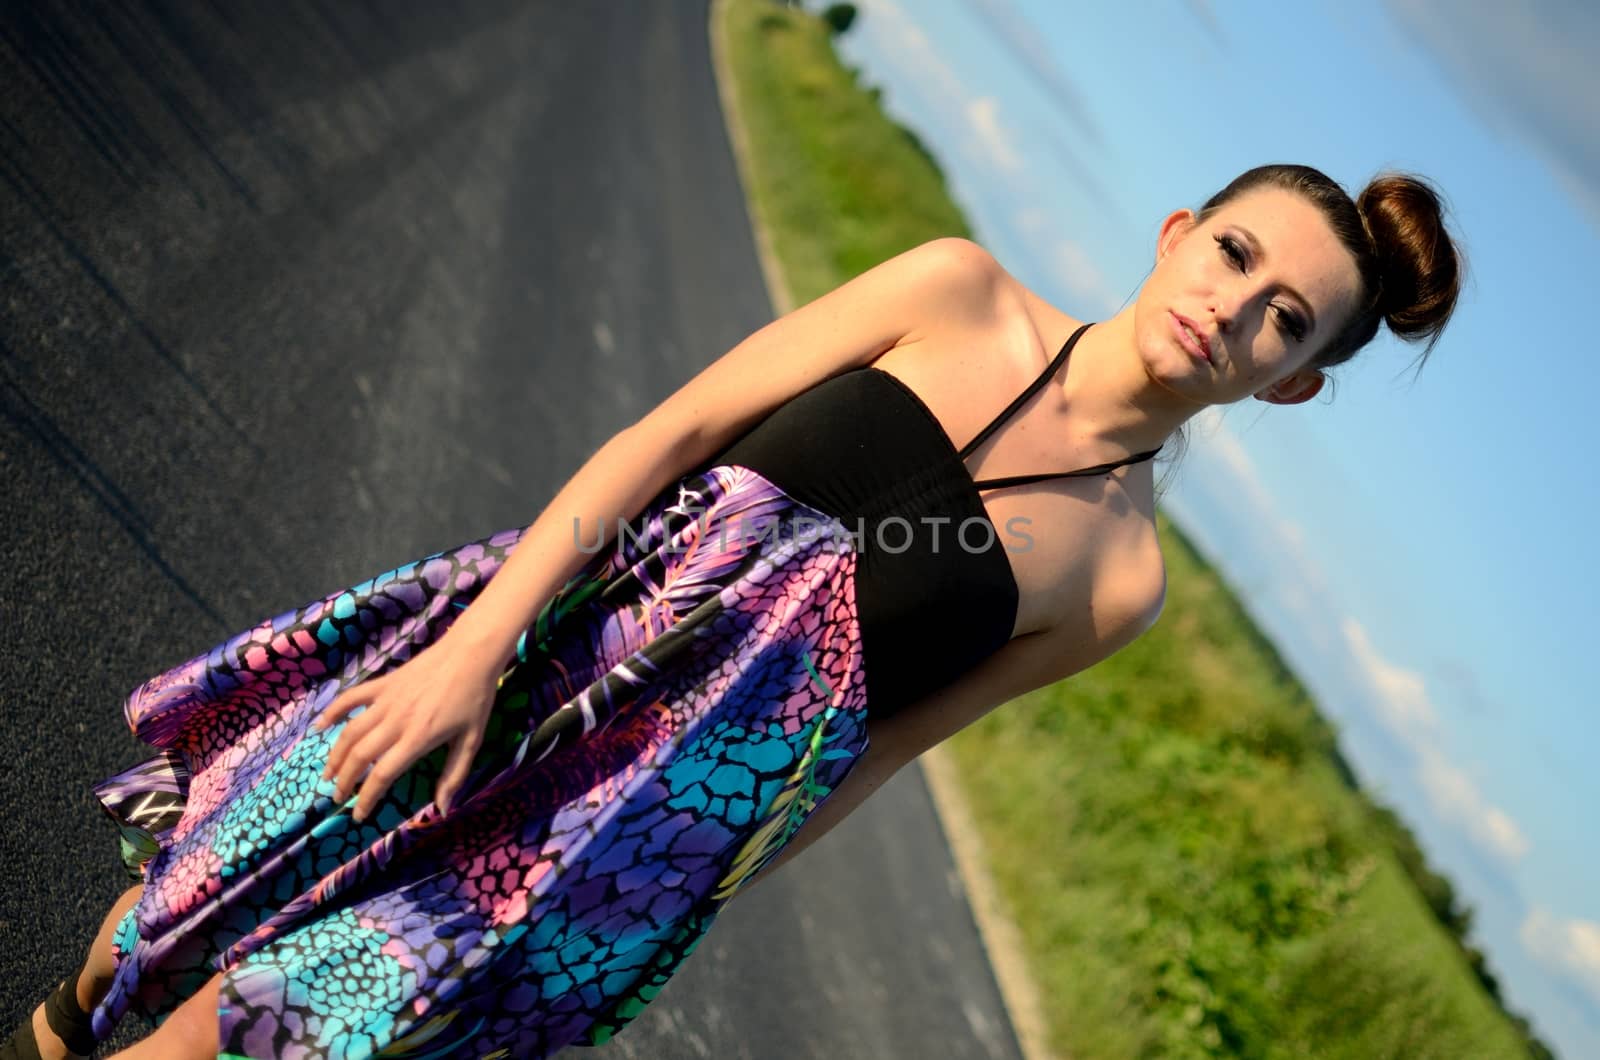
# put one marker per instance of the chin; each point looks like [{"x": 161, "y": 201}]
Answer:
[{"x": 1164, "y": 356}]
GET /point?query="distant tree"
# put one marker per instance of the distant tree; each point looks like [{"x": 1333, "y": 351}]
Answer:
[
  {"x": 1480, "y": 968},
  {"x": 839, "y": 17},
  {"x": 1435, "y": 889},
  {"x": 1536, "y": 1048}
]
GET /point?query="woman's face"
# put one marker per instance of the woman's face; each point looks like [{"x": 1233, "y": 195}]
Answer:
[{"x": 1240, "y": 304}]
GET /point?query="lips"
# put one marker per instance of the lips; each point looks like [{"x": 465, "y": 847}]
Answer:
[{"x": 1191, "y": 337}]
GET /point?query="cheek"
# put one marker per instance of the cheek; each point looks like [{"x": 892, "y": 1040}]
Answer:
[
  {"x": 1278, "y": 360},
  {"x": 1159, "y": 289}
]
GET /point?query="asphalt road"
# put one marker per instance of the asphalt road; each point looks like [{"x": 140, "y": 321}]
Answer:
[{"x": 291, "y": 294}]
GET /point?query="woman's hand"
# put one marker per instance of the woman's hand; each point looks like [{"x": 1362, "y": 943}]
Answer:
[{"x": 441, "y": 695}]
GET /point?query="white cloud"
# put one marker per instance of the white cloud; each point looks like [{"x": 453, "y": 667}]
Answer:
[
  {"x": 914, "y": 50},
  {"x": 1402, "y": 695},
  {"x": 1024, "y": 40},
  {"x": 991, "y": 149},
  {"x": 989, "y": 143},
  {"x": 1014, "y": 31},
  {"x": 1568, "y": 947},
  {"x": 1458, "y": 800},
  {"x": 1400, "y": 700},
  {"x": 983, "y": 118}
]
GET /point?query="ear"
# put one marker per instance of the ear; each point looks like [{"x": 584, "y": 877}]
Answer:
[
  {"x": 1174, "y": 228},
  {"x": 1298, "y": 386}
]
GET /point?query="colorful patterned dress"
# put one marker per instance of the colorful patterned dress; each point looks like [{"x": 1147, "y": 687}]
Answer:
[
  {"x": 674, "y": 714},
  {"x": 672, "y": 717}
]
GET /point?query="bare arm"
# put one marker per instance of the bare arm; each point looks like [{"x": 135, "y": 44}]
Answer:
[
  {"x": 617, "y": 481},
  {"x": 845, "y": 328},
  {"x": 445, "y": 697},
  {"x": 1031, "y": 661}
]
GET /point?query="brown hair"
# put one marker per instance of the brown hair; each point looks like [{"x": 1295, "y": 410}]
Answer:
[{"x": 1409, "y": 266}]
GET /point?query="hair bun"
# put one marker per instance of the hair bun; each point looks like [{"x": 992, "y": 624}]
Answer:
[{"x": 1419, "y": 264}]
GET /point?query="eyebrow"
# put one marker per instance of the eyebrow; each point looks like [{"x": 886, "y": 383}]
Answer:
[{"x": 1305, "y": 303}]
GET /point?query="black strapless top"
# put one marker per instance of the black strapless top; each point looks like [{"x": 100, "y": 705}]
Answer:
[{"x": 862, "y": 446}]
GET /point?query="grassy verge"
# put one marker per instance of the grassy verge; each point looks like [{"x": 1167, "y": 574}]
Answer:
[
  {"x": 838, "y": 186},
  {"x": 1193, "y": 872}
]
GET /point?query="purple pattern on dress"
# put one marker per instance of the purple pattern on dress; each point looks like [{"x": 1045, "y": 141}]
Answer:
[{"x": 674, "y": 714}]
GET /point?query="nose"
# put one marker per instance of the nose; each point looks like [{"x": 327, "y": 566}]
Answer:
[{"x": 1223, "y": 315}]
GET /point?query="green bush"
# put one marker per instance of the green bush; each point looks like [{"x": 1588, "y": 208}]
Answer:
[{"x": 839, "y": 17}]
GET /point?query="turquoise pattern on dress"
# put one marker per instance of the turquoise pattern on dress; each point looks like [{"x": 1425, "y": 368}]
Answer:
[{"x": 672, "y": 717}]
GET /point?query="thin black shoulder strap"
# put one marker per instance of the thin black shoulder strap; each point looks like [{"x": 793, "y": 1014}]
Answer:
[
  {"x": 1098, "y": 469},
  {"x": 1022, "y": 398},
  {"x": 1017, "y": 480}
]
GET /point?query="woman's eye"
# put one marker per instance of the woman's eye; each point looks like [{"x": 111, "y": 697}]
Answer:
[
  {"x": 1290, "y": 323},
  {"x": 1231, "y": 248},
  {"x": 1287, "y": 319}
]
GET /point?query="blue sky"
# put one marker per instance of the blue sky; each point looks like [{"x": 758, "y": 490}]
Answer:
[{"x": 1413, "y": 542}]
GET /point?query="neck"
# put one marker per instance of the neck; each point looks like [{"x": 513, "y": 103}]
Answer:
[{"x": 1116, "y": 407}]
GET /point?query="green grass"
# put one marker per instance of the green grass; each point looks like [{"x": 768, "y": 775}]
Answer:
[
  {"x": 1194, "y": 876},
  {"x": 839, "y": 187},
  {"x": 1192, "y": 869}
]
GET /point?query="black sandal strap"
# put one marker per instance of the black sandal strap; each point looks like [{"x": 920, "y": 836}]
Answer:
[
  {"x": 71, "y": 1024},
  {"x": 22, "y": 1045}
]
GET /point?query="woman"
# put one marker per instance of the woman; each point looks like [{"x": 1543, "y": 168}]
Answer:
[{"x": 618, "y": 727}]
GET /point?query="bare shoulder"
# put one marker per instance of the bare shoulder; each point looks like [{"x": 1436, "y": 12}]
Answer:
[
  {"x": 964, "y": 256},
  {"x": 960, "y": 283},
  {"x": 935, "y": 286}
]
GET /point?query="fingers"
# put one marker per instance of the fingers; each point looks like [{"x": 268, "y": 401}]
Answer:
[
  {"x": 454, "y": 774},
  {"x": 355, "y": 733},
  {"x": 398, "y": 759},
  {"x": 354, "y": 756},
  {"x": 348, "y": 700}
]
